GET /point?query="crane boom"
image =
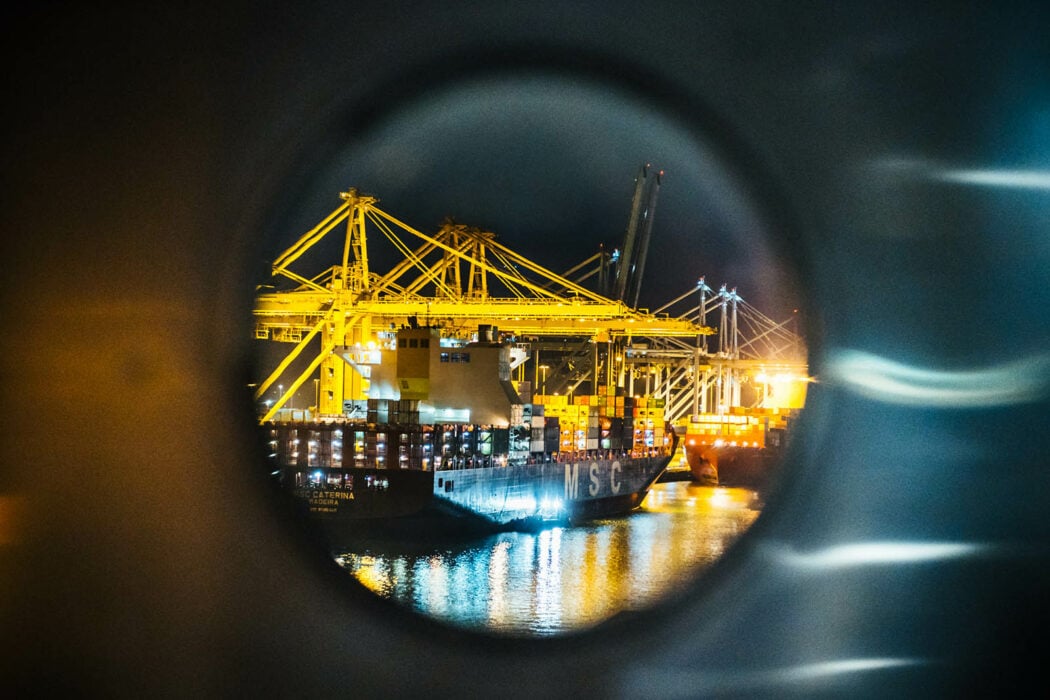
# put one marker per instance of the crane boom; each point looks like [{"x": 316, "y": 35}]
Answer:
[{"x": 460, "y": 278}]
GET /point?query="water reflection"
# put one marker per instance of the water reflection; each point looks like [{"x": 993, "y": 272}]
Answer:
[{"x": 560, "y": 579}]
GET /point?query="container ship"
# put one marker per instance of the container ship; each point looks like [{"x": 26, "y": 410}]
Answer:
[
  {"x": 446, "y": 434},
  {"x": 740, "y": 448}
]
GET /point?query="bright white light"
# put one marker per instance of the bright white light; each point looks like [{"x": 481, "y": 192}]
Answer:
[
  {"x": 719, "y": 498},
  {"x": 841, "y": 666},
  {"x": 1020, "y": 179},
  {"x": 519, "y": 503},
  {"x": 986, "y": 177},
  {"x": 550, "y": 506},
  {"x": 874, "y": 553},
  {"x": 1021, "y": 381},
  {"x": 671, "y": 683}
]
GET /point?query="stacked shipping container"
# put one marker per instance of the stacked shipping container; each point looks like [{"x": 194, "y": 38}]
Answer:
[
  {"x": 743, "y": 427},
  {"x": 394, "y": 438},
  {"x": 603, "y": 422}
]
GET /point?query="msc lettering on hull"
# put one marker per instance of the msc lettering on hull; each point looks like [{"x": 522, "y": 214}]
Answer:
[{"x": 594, "y": 488}]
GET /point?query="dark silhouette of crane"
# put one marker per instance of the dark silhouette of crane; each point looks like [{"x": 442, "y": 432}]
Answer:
[{"x": 630, "y": 267}]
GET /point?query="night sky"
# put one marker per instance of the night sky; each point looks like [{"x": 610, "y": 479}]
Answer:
[{"x": 549, "y": 165}]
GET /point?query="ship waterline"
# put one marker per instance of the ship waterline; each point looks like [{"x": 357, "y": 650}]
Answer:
[{"x": 541, "y": 491}]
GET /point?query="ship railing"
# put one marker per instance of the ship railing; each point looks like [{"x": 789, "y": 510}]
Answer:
[
  {"x": 561, "y": 457},
  {"x": 571, "y": 456}
]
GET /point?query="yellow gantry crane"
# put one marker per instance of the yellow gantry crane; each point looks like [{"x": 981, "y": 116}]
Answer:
[{"x": 460, "y": 278}]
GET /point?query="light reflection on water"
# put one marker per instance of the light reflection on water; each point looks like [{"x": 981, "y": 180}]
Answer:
[{"x": 560, "y": 579}]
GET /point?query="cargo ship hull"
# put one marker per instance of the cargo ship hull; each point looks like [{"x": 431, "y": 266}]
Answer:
[
  {"x": 565, "y": 491},
  {"x": 358, "y": 494},
  {"x": 738, "y": 449},
  {"x": 521, "y": 495},
  {"x": 733, "y": 466}
]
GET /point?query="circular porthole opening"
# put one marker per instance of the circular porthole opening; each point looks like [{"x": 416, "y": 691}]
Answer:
[{"x": 527, "y": 355}]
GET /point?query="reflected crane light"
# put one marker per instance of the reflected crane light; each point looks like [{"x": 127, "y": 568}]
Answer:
[{"x": 882, "y": 379}]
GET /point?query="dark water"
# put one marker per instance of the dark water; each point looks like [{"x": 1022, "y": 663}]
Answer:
[{"x": 563, "y": 578}]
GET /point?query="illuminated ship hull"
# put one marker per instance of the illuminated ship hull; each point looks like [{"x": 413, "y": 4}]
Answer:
[
  {"x": 551, "y": 489},
  {"x": 562, "y": 491},
  {"x": 737, "y": 450},
  {"x": 734, "y": 466}
]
